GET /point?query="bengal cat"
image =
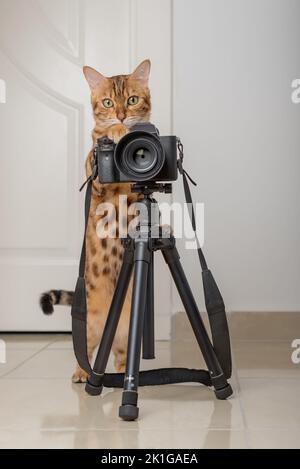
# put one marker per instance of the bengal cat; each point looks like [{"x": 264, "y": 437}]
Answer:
[{"x": 118, "y": 103}]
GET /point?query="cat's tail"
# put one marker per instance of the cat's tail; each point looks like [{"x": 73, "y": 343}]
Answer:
[{"x": 55, "y": 297}]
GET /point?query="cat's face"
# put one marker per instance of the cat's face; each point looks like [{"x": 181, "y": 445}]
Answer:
[{"x": 122, "y": 99}]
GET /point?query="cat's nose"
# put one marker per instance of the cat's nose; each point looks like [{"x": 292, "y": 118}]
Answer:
[{"x": 121, "y": 116}]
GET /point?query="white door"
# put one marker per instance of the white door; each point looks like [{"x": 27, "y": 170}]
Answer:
[{"x": 45, "y": 136}]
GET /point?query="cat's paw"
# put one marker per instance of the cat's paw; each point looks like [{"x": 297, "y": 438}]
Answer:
[
  {"x": 79, "y": 375},
  {"x": 120, "y": 368},
  {"x": 120, "y": 362},
  {"x": 116, "y": 132}
]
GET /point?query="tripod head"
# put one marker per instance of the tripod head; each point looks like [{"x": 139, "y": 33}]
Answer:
[{"x": 147, "y": 188}]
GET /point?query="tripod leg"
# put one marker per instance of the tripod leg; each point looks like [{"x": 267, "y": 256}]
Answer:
[
  {"x": 219, "y": 382},
  {"x": 148, "y": 333},
  {"x": 129, "y": 410},
  {"x": 95, "y": 382}
]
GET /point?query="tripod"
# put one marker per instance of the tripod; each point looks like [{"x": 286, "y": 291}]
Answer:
[{"x": 138, "y": 257}]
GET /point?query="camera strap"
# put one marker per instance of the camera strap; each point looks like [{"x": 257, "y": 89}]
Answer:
[
  {"x": 213, "y": 300},
  {"x": 79, "y": 304},
  {"x": 214, "y": 303},
  {"x": 79, "y": 329}
]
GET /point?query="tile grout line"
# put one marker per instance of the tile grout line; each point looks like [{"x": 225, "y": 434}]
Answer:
[
  {"x": 241, "y": 407},
  {"x": 23, "y": 362},
  {"x": 54, "y": 342},
  {"x": 42, "y": 349}
]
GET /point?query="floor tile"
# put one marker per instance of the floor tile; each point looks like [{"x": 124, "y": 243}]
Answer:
[
  {"x": 274, "y": 439},
  {"x": 56, "y": 404},
  {"x": 28, "y": 341},
  {"x": 47, "y": 364},
  {"x": 59, "y": 362},
  {"x": 271, "y": 403},
  {"x": 62, "y": 341},
  {"x": 41, "y": 408},
  {"x": 14, "y": 358},
  {"x": 265, "y": 359},
  {"x": 96, "y": 439}
]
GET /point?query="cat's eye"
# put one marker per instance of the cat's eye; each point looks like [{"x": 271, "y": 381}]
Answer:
[
  {"x": 133, "y": 100},
  {"x": 107, "y": 103}
]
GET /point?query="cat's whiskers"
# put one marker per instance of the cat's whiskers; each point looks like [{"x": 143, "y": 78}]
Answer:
[
  {"x": 132, "y": 120},
  {"x": 109, "y": 122}
]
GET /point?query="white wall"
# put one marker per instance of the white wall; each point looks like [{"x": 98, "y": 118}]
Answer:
[
  {"x": 221, "y": 80},
  {"x": 234, "y": 62}
]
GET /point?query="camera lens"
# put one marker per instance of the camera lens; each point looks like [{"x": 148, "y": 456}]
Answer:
[
  {"x": 143, "y": 160},
  {"x": 140, "y": 159},
  {"x": 140, "y": 156}
]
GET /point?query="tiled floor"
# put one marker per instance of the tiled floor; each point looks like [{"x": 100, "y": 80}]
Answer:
[{"x": 41, "y": 408}]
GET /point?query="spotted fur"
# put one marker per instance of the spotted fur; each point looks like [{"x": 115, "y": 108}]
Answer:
[
  {"x": 104, "y": 256},
  {"x": 55, "y": 297}
]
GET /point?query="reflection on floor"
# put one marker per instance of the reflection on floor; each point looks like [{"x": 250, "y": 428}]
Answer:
[{"x": 41, "y": 408}]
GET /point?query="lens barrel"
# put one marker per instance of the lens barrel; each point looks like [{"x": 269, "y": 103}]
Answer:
[{"x": 139, "y": 156}]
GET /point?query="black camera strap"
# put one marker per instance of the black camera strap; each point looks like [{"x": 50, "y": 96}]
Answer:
[
  {"x": 79, "y": 305},
  {"x": 214, "y": 303},
  {"x": 213, "y": 300},
  {"x": 79, "y": 330}
]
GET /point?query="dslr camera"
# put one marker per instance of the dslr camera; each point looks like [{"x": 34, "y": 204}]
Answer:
[{"x": 140, "y": 156}]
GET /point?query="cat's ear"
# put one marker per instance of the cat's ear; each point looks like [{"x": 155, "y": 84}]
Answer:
[
  {"x": 93, "y": 77},
  {"x": 142, "y": 72}
]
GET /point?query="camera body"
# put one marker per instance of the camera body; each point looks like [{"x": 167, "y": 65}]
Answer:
[{"x": 140, "y": 156}]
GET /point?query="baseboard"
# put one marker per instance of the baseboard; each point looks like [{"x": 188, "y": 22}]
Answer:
[{"x": 283, "y": 326}]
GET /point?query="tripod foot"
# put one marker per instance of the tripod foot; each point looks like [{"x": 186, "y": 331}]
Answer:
[
  {"x": 224, "y": 393},
  {"x": 93, "y": 390},
  {"x": 128, "y": 412}
]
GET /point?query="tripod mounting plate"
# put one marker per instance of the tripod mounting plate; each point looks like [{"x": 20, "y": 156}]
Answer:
[{"x": 147, "y": 188}]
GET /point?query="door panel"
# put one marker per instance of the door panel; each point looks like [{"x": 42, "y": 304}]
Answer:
[{"x": 45, "y": 130}]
